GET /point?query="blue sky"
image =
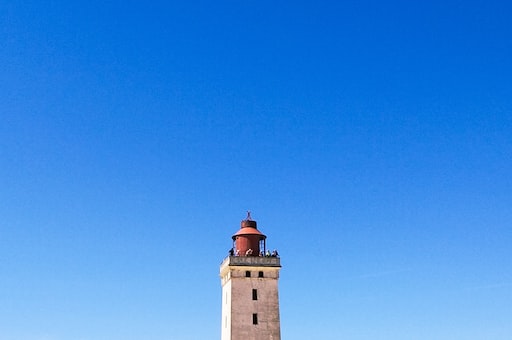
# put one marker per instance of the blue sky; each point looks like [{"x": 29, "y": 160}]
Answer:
[{"x": 372, "y": 142}]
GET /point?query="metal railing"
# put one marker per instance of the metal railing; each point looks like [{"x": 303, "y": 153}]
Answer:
[{"x": 266, "y": 261}]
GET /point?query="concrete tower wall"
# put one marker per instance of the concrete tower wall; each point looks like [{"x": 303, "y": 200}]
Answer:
[
  {"x": 226, "y": 309},
  {"x": 250, "y": 306}
]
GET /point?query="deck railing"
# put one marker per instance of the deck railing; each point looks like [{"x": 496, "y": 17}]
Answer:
[{"x": 269, "y": 261}]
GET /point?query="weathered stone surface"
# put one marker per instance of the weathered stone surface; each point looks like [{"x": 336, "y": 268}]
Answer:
[{"x": 238, "y": 303}]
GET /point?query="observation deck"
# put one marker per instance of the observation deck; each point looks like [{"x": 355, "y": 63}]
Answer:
[{"x": 254, "y": 261}]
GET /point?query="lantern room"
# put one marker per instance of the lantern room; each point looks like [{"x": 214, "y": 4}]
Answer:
[{"x": 248, "y": 241}]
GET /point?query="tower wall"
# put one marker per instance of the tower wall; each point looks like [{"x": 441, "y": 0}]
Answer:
[
  {"x": 226, "y": 309},
  {"x": 250, "y": 306}
]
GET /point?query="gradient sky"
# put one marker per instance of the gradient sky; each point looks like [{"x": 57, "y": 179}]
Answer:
[{"x": 371, "y": 140}]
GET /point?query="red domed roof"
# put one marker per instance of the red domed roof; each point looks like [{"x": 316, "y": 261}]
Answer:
[
  {"x": 248, "y": 231},
  {"x": 249, "y": 227}
]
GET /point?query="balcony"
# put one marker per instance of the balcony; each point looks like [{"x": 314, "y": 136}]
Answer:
[{"x": 255, "y": 261}]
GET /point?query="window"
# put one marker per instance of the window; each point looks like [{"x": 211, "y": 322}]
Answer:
[
  {"x": 247, "y": 273},
  {"x": 260, "y": 274},
  {"x": 255, "y": 318},
  {"x": 255, "y": 294}
]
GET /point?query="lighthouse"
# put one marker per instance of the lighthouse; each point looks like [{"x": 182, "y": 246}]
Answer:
[{"x": 249, "y": 278}]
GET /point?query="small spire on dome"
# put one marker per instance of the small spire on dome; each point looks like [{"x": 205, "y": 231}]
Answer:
[{"x": 248, "y": 216}]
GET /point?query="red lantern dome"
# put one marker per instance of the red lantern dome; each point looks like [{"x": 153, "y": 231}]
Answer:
[{"x": 248, "y": 241}]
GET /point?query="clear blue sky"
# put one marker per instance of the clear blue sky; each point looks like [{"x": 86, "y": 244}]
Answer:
[{"x": 371, "y": 140}]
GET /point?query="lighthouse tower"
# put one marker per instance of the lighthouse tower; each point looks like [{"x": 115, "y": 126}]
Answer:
[{"x": 249, "y": 275}]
